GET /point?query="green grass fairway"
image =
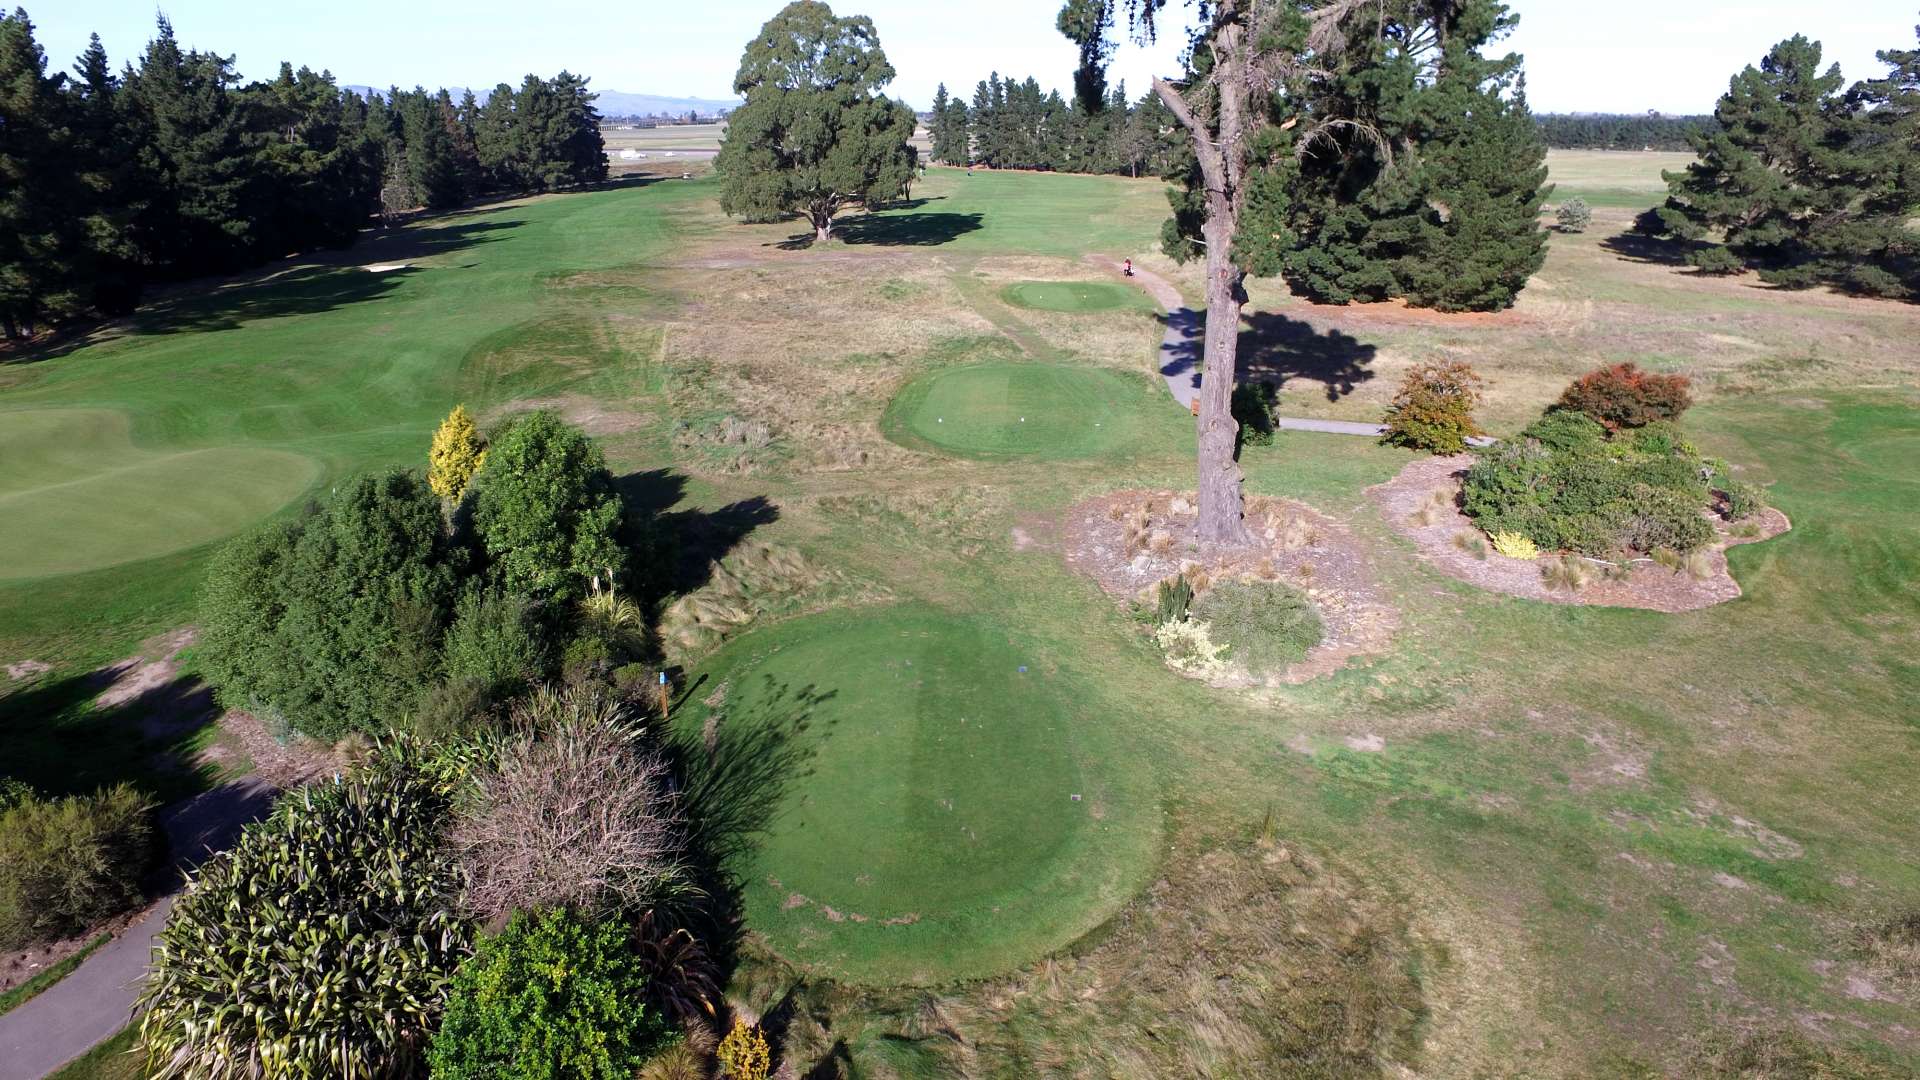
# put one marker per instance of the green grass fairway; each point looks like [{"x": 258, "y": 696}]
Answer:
[
  {"x": 931, "y": 832},
  {"x": 1612, "y": 179},
  {"x": 1072, "y": 296},
  {"x": 1043, "y": 411},
  {"x": 78, "y": 495}
]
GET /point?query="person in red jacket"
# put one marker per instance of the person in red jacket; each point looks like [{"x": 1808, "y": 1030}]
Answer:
[{"x": 1129, "y": 268}]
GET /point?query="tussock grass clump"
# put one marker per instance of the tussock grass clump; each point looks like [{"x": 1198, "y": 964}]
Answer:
[
  {"x": 1436, "y": 508},
  {"x": 1265, "y": 624},
  {"x": 1783, "y": 1054},
  {"x": 1891, "y": 947},
  {"x": 1568, "y": 572},
  {"x": 757, "y": 580},
  {"x": 1472, "y": 543}
]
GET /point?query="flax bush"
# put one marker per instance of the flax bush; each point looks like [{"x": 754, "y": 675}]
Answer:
[{"x": 323, "y": 942}]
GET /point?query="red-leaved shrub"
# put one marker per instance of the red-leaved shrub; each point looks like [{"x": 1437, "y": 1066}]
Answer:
[{"x": 1623, "y": 396}]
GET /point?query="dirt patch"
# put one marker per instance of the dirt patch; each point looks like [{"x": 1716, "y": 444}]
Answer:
[
  {"x": 1130, "y": 541},
  {"x": 150, "y": 684},
  {"x": 244, "y": 740},
  {"x": 1421, "y": 503},
  {"x": 590, "y": 416},
  {"x": 27, "y": 669}
]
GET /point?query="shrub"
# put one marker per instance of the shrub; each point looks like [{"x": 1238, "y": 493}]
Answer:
[
  {"x": 743, "y": 1053},
  {"x": 576, "y": 810},
  {"x": 1742, "y": 499},
  {"x": 1266, "y": 624},
  {"x": 556, "y": 995},
  {"x": 322, "y": 943},
  {"x": 1623, "y": 396},
  {"x": 1176, "y": 596},
  {"x": 1188, "y": 644},
  {"x": 495, "y": 641},
  {"x": 1892, "y": 947},
  {"x": 1514, "y": 546},
  {"x": 453, "y": 708},
  {"x": 1567, "y": 432},
  {"x": 457, "y": 453},
  {"x": 1664, "y": 518},
  {"x": 1716, "y": 261},
  {"x": 67, "y": 863},
  {"x": 546, "y": 510},
  {"x": 334, "y": 620},
  {"x": 1574, "y": 215},
  {"x": 1252, "y": 407},
  {"x": 616, "y": 621},
  {"x": 1434, "y": 409}
]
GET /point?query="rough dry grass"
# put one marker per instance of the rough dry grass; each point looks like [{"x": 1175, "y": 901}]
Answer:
[{"x": 1597, "y": 831}]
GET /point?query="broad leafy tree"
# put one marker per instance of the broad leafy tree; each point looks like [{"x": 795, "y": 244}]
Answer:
[
  {"x": 815, "y": 135},
  {"x": 546, "y": 511}
]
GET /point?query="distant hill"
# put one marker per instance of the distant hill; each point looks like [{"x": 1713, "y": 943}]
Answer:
[{"x": 611, "y": 102}]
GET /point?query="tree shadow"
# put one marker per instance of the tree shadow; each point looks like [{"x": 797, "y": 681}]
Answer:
[
  {"x": 895, "y": 230},
  {"x": 1273, "y": 349},
  {"x": 688, "y": 542},
  {"x": 1638, "y": 247},
  {"x": 321, "y": 281},
  {"x": 735, "y": 772}
]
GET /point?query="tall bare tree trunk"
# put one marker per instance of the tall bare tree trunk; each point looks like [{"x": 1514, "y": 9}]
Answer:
[
  {"x": 1222, "y": 516},
  {"x": 1218, "y": 144}
]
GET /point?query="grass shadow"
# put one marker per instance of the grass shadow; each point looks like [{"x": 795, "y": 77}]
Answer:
[
  {"x": 735, "y": 773},
  {"x": 1638, "y": 247}
]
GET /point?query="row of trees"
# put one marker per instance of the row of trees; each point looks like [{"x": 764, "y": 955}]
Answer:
[
  {"x": 171, "y": 168},
  {"x": 1012, "y": 125},
  {"x": 1806, "y": 180},
  {"x": 1610, "y": 131}
]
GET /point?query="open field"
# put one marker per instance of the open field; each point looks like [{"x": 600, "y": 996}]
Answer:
[{"x": 1528, "y": 840}]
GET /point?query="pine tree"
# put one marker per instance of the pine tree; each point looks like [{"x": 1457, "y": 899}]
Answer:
[
  {"x": 814, "y": 134},
  {"x": 1483, "y": 160},
  {"x": 198, "y": 158},
  {"x": 42, "y": 253},
  {"x": 496, "y": 141},
  {"x": 577, "y": 133},
  {"x": 1768, "y": 175},
  {"x": 457, "y": 453},
  {"x": 105, "y": 183}
]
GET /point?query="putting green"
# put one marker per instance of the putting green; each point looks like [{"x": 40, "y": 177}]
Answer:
[
  {"x": 1046, "y": 411},
  {"x": 945, "y": 814},
  {"x": 1068, "y": 295},
  {"x": 76, "y": 494}
]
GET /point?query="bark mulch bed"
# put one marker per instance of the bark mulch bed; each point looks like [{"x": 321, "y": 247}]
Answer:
[
  {"x": 1422, "y": 503},
  {"x": 1130, "y": 541}
]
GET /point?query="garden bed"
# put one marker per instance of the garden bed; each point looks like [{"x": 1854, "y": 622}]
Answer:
[
  {"x": 1422, "y": 504},
  {"x": 1108, "y": 540}
]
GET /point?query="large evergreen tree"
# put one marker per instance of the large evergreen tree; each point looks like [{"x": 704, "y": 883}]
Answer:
[
  {"x": 815, "y": 134},
  {"x": 42, "y": 252}
]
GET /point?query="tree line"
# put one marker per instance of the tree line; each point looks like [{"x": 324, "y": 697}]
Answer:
[
  {"x": 1609, "y": 131},
  {"x": 1806, "y": 180},
  {"x": 1012, "y": 125},
  {"x": 171, "y": 168}
]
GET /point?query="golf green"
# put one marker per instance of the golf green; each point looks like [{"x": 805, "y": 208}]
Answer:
[
  {"x": 1046, "y": 411},
  {"x": 1068, "y": 295},
  {"x": 77, "y": 494},
  {"x": 951, "y": 809}
]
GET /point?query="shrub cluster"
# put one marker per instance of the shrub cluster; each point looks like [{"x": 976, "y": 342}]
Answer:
[
  {"x": 1574, "y": 215},
  {"x": 1266, "y": 625},
  {"x": 322, "y": 943},
  {"x": 370, "y": 608},
  {"x": 1252, "y": 406},
  {"x": 67, "y": 863},
  {"x": 1623, "y": 396},
  {"x": 1434, "y": 409},
  {"x": 556, "y": 995},
  {"x": 1566, "y": 486},
  {"x": 576, "y": 810}
]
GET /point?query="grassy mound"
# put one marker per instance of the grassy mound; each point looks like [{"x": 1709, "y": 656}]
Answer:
[
  {"x": 944, "y": 815},
  {"x": 1074, "y": 296},
  {"x": 1045, "y": 411},
  {"x": 78, "y": 495}
]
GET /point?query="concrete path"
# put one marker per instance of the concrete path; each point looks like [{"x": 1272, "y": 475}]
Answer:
[
  {"x": 1182, "y": 346},
  {"x": 96, "y": 1000}
]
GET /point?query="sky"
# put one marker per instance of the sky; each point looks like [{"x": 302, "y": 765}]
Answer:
[{"x": 1621, "y": 56}]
